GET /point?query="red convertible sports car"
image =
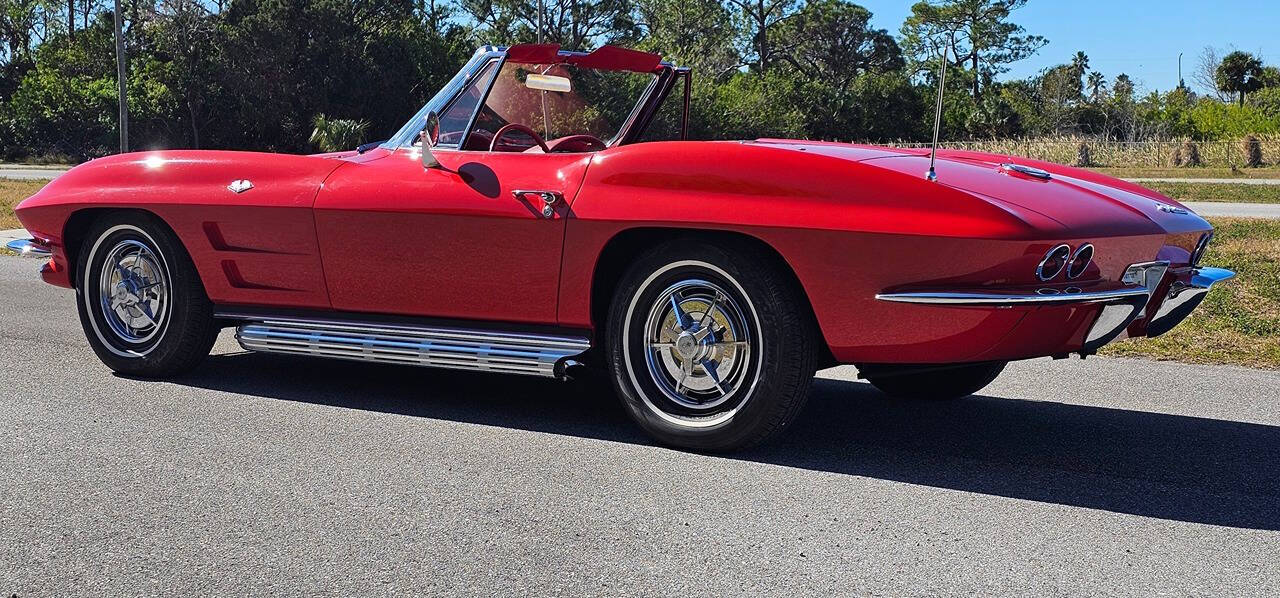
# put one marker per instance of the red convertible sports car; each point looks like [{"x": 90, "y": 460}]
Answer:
[{"x": 527, "y": 221}]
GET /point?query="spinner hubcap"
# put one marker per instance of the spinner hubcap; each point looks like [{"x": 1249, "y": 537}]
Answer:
[
  {"x": 133, "y": 292},
  {"x": 698, "y": 348}
]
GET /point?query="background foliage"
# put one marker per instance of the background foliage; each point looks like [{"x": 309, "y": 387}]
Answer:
[{"x": 266, "y": 74}]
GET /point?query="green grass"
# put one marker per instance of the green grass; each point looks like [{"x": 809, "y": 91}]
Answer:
[
  {"x": 1269, "y": 172},
  {"x": 12, "y": 192},
  {"x": 1226, "y": 192},
  {"x": 1239, "y": 321}
]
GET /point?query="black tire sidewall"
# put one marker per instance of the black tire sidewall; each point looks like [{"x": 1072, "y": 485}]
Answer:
[
  {"x": 189, "y": 319},
  {"x": 767, "y": 406}
]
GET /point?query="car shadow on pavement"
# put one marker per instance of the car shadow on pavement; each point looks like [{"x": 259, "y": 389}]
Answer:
[{"x": 1150, "y": 464}]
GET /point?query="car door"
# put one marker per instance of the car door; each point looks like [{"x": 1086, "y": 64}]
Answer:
[{"x": 455, "y": 241}]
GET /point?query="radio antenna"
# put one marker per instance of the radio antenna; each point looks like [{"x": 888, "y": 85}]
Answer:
[{"x": 932, "y": 175}]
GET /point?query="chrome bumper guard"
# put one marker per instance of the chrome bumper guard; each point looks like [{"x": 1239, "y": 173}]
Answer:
[
  {"x": 1184, "y": 296},
  {"x": 1120, "y": 307},
  {"x": 28, "y": 247}
]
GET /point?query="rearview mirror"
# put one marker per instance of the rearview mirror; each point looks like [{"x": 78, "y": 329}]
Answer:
[
  {"x": 548, "y": 82},
  {"x": 430, "y": 136}
]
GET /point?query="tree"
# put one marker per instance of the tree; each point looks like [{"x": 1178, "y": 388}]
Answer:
[
  {"x": 573, "y": 23},
  {"x": 1097, "y": 84},
  {"x": 833, "y": 40},
  {"x": 977, "y": 32},
  {"x": 1080, "y": 66},
  {"x": 693, "y": 33},
  {"x": 760, "y": 19},
  {"x": 1239, "y": 73},
  {"x": 1123, "y": 87}
]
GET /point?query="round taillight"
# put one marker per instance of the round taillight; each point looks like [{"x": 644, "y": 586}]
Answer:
[
  {"x": 1053, "y": 263},
  {"x": 1080, "y": 261},
  {"x": 1201, "y": 246}
]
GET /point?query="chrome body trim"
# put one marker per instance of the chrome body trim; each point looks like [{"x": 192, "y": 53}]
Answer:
[
  {"x": 1075, "y": 265},
  {"x": 1027, "y": 170},
  {"x": 27, "y": 247},
  {"x": 454, "y": 348},
  {"x": 1011, "y": 298},
  {"x": 1049, "y": 254},
  {"x": 1184, "y": 297},
  {"x": 1119, "y": 307}
]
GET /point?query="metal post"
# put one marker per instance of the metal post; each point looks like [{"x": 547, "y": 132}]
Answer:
[{"x": 122, "y": 81}]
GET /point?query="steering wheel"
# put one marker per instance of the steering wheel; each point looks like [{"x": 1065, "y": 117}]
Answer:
[
  {"x": 517, "y": 127},
  {"x": 578, "y": 143}
]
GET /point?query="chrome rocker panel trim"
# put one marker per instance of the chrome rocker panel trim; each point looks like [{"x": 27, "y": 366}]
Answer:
[
  {"x": 453, "y": 348},
  {"x": 1184, "y": 297}
]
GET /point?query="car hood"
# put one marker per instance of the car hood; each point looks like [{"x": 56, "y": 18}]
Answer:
[{"x": 1084, "y": 202}]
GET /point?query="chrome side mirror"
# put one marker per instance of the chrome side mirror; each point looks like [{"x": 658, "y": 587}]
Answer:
[{"x": 430, "y": 137}]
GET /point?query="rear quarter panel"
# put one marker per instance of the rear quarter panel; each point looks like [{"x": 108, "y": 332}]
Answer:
[{"x": 848, "y": 230}]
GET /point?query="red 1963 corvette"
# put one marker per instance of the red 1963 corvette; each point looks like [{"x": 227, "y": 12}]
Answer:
[{"x": 527, "y": 222}]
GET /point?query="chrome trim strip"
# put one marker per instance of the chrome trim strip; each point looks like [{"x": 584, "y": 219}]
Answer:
[
  {"x": 998, "y": 298},
  {"x": 1048, "y": 254},
  {"x": 454, "y": 348}
]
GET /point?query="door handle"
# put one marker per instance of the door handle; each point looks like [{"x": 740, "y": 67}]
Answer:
[{"x": 549, "y": 199}]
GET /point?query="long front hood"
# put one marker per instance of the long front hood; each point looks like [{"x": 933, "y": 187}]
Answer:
[
  {"x": 1084, "y": 202},
  {"x": 189, "y": 177}
]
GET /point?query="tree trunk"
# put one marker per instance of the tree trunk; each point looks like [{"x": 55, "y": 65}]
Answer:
[
  {"x": 975, "y": 76},
  {"x": 762, "y": 36},
  {"x": 71, "y": 19},
  {"x": 195, "y": 132}
]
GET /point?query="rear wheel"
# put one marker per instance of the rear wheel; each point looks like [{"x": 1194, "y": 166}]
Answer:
[
  {"x": 140, "y": 300},
  {"x": 934, "y": 382},
  {"x": 710, "y": 347}
]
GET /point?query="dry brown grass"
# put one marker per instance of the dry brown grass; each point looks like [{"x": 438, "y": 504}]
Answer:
[
  {"x": 1127, "y": 172},
  {"x": 1239, "y": 322},
  {"x": 12, "y": 192}
]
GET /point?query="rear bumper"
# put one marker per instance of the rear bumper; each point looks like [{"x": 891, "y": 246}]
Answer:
[{"x": 1150, "y": 300}]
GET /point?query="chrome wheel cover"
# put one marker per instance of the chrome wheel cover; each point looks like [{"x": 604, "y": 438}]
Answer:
[
  {"x": 133, "y": 292},
  {"x": 697, "y": 345},
  {"x": 699, "y": 338}
]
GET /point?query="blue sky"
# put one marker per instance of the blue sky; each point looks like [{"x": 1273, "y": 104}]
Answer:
[{"x": 1138, "y": 37}]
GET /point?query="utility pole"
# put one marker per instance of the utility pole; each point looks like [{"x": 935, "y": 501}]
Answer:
[
  {"x": 1181, "y": 83},
  {"x": 541, "y": 11},
  {"x": 121, "y": 80}
]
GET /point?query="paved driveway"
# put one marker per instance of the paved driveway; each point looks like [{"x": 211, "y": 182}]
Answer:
[{"x": 259, "y": 474}]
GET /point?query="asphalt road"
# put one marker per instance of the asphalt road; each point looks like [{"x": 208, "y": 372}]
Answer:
[
  {"x": 1225, "y": 209},
  {"x": 259, "y": 474},
  {"x": 31, "y": 174}
]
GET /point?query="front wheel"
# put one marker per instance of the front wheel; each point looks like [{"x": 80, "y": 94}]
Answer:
[
  {"x": 937, "y": 382},
  {"x": 711, "y": 347},
  {"x": 140, "y": 300}
]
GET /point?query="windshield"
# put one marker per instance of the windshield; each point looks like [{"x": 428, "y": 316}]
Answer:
[
  {"x": 558, "y": 101},
  {"x": 589, "y": 102}
]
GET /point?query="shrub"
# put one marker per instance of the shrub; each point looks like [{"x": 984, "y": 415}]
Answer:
[
  {"x": 1187, "y": 154},
  {"x": 1252, "y": 151},
  {"x": 1082, "y": 155},
  {"x": 337, "y": 134}
]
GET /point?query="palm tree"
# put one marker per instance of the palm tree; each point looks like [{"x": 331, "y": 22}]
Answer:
[
  {"x": 1240, "y": 73},
  {"x": 1080, "y": 66},
  {"x": 1096, "y": 84}
]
